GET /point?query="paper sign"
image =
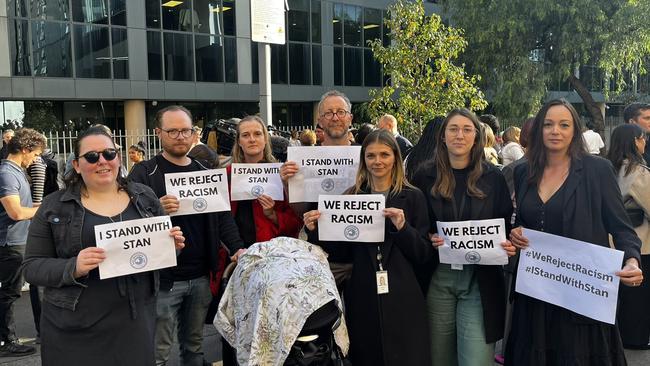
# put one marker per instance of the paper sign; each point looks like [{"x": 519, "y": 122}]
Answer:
[
  {"x": 267, "y": 21},
  {"x": 135, "y": 246},
  {"x": 199, "y": 191},
  {"x": 323, "y": 170},
  {"x": 473, "y": 242},
  {"x": 573, "y": 274},
  {"x": 249, "y": 181},
  {"x": 357, "y": 218}
]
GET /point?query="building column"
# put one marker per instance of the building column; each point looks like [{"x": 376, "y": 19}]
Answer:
[{"x": 135, "y": 115}]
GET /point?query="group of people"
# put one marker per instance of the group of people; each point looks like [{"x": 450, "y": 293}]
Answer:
[{"x": 430, "y": 313}]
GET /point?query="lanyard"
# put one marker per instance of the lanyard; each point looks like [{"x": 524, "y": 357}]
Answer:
[
  {"x": 379, "y": 257},
  {"x": 458, "y": 211}
]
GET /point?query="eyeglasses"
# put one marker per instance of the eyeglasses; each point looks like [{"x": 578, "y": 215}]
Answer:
[
  {"x": 340, "y": 114},
  {"x": 93, "y": 156},
  {"x": 174, "y": 133},
  {"x": 456, "y": 130}
]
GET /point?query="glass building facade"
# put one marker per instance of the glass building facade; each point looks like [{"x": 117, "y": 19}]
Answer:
[{"x": 63, "y": 54}]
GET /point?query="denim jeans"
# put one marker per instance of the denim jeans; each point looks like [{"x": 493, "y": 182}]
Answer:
[
  {"x": 182, "y": 309},
  {"x": 11, "y": 257},
  {"x": 456, "y": 319}
]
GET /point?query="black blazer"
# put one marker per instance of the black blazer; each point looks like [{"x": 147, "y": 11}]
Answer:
[
  {"x": 497, "y": 204},
  {"x": 593, "y": 207}
]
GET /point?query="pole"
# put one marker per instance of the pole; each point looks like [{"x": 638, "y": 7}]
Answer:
[{"x": 264, "y": 67}]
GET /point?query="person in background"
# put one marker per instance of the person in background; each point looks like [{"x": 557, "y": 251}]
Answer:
[
  {"x": 511, "y": 150},
  {"x": 363, "y": 131},
  {"x": 137, "y": 152},
  {"x": 375, "y": 321},
  {"x": 185, "y": 294},
  {"x": 6, "y": 137},
  {"x": 389, "y": 123},
  {"x": 492, "y": 121},
  {"x": 84, "y": 316},
  {"x": 320, "y": 134},
  {"x": 553, "y": 187},
  {"x": 424, "y": 150},
  {"x": 307, "y": 138},
  {"x": 352, "y": 135},
  {"x": 15, "y": 213},
  {"x": 627, "y": 145},
  {"x": 203, "y": 152},
  {"x": 466, "y": 305},
  {"x": 294, "y": 140},
  {"x": 489, "y": 143},
  {"x": 593, "y": 142},
  {"x": 639, "y": 114}
]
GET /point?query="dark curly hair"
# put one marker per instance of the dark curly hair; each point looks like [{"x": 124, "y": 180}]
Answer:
[{"x": 26, "y": 138}]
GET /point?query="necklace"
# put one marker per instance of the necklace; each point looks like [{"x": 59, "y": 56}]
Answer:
[{"x": 113, "y": 221}]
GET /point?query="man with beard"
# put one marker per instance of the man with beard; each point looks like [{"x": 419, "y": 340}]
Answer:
[
  {"x": 184, "y": 309},
  {"x": 335, "y": 118}
]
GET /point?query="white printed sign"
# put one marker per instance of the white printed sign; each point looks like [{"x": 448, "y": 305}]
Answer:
[
  {"x": 135, "y": 246},
  {"x": 473, "y": 242},
  {"x": 573, "y": 274},
  {"x": 199, "y": 191},
  {"x": 249, "y": 181},
  {"x": 267, "y": 21},
  {"x": 356, "y": 218},
  {"x": 323, "y": 170}
]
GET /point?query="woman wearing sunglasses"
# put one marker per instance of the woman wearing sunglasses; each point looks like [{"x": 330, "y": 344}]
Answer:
[{"x": 82, "y": 316}]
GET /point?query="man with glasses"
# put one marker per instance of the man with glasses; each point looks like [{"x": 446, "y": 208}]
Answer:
[
  {"x": 184, "y": 294},
  {"x": 15, "y": 214},
  {"x": 639, "y": 113}
]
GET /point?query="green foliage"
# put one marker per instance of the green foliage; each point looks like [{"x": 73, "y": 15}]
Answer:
[
  {"x": 39, "y": 116},
  {"x": 522, "y": 47},
  {"x": 425, "y": 81}
]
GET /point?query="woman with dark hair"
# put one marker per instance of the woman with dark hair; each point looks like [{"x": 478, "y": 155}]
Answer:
[
  {"x": 627, "y": 145},
  {"x": 82, "y": 316},
  {"x": 137, "y": 152},
  {"x": 363, "y": 132},
  {"x": 467, "y": 304},
  {"x": 563, "y": 190},
  {"x": 376, "y": 322},
  {"x": 424, "y": 150}
]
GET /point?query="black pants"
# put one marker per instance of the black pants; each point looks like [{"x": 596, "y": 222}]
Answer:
[{"x": 11, "y": 257}]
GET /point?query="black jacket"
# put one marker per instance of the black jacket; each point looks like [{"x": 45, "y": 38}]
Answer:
[
  {"x": 389, "y": 329},
  {"x": 497, "y": 204},
  {"x": 593, "y": 207},
  {"x": 54, "y": 241},
  {"x": 404, "y": 144},
  {"x": 221, "y": 227}
]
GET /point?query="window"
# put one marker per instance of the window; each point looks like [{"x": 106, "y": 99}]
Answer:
[
  {"x": 118, "y": 12},
  {"x": 230, "y": 57},
  {"x": 17, "y": 8},
  {"x": 209, "y": 58},
  {"x": 298, "y": 20},
  {"x": 19, "y": 51},
  {"x": 154, "y": 55},
  {"x": 92, "y": 51},
  {"x": 51, "y": 52},
  {"x": 299, "y": 55},
  {"x": 120, "y": 53},
  {"x": 90, "y": 11},
  {"x": 49, "y": 10},
  {"x": 179, "y": 57}
]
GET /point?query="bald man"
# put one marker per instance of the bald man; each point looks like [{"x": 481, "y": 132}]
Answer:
[{"x": 389, "y": 123}]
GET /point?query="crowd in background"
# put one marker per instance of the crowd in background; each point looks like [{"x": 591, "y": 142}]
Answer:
[{"x": 541, "y": 176}]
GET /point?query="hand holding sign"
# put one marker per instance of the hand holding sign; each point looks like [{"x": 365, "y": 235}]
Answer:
[
  {"x": 179, "y": 239},
  {"x": 87, "y": 260},
  {"x": 169, "y": 203},
  {"x": 396, "y": 216},
  {"x": 311, "y": 218}
]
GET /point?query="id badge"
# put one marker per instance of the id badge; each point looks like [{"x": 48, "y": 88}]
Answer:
[
  {"x": 457, "y": 267},
  {"x": 382, "y": 282}
]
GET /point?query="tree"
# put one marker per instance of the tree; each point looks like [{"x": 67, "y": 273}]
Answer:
[
  {"x": 425, "y": 82},
  {"x": 521, "y": 47}
]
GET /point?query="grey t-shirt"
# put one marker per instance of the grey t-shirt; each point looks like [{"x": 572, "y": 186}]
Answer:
[{"x": 13, "y": 182}]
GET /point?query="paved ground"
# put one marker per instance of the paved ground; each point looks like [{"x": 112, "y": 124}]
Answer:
[{"x": 211, "y": 344}]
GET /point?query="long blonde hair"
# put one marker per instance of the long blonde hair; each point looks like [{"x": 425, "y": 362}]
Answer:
[
  {"x": 238, "y": 153},
  {"x": 398, "y": 178}
]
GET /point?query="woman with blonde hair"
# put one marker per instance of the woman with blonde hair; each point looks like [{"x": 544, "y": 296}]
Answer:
[
  {"x": 511, "y": 150},
  {"x": 489, "y": 141},
  {"x": 376, "y": 319}
]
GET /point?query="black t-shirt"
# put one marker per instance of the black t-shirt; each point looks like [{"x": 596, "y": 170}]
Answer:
[
  {"x": 246, "y": 222},
  {"x": 459, "y": 208},
  {"x": 192, "y": 262}
]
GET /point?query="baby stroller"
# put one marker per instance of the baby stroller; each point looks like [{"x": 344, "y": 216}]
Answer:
[{"x": 281, "y": 307}]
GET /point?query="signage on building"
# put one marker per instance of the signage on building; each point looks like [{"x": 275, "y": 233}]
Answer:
[{"x": 267, "y": 21}]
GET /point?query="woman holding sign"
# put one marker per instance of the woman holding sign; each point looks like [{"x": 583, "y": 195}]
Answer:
[
  {"x": 382, "y": 295},
  {"x": 85, "y": 320},
  {"x": 563, "y": 190},
  {"x": 627, "y": 146},
  {"x": 466, "y": 302},
  {"x": 261, "y": 219}
]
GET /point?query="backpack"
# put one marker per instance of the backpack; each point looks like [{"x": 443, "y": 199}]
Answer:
[{"x": 51, "y": 176}]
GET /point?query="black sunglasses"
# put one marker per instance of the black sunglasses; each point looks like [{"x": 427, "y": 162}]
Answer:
[{"x": 93, "y": 156}]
